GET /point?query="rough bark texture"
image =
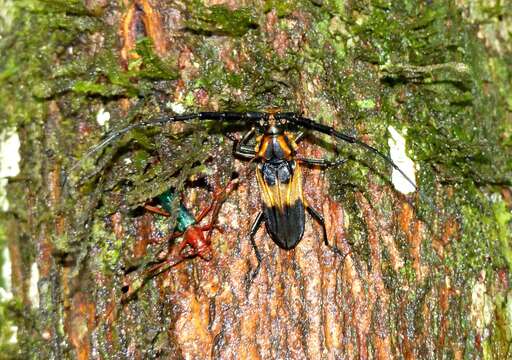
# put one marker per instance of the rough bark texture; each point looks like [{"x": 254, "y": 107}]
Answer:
[{"x": 417, "y": 282}]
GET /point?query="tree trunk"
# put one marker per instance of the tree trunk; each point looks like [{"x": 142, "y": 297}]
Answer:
[{"x": 418, "y": 276}]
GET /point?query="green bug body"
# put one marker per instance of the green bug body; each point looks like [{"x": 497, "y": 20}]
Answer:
[{"x": 184, "y": 218}]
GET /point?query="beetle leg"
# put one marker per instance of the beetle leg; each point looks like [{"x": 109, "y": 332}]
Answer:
[
  {"x": 247, "y": 136},
  {"x": 318, "y": 217},
  {"x": 136, "y": 281},
  {"x": 241, "y": 148},
  {"x": 299, "y": 137},
  {"x": 219, "y": 195},
  {"x": 166, "y": 239},
  {"x": 321, "y": 162},
  {"x": 254, "y": 229},
  {"x": 162, "y": 212}
]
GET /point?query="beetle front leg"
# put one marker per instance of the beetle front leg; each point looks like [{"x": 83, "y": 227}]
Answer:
[
  {"x": 299, "y": 136},
  {"x": 241, "y": 148}
]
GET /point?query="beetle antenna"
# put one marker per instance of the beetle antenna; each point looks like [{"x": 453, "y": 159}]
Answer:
[
  {"x": 299, "y": 120},
  {"x": 116, "y": 134},
  {"x": 310, "y": 124}
]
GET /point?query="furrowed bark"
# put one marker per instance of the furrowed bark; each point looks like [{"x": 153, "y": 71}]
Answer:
[{"x": 422, "y": 276}]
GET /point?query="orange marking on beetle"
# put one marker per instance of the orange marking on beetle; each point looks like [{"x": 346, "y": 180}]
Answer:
[
  {"x": 285, "y": 146},
  {"x": 266, "y": 193},
  {"x": 261, "y": 146},
  {"x": 281, "y": 196},
  {"x": 295, "y": 189},
  {"x": 291, "y": 142}
]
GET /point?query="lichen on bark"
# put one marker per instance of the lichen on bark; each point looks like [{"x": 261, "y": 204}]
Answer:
[{"x": 423, "y": 276}]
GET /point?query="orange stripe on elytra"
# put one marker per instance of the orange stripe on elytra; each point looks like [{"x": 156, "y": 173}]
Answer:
[
  {"x": 281, "y": 140},
  {"x": 261, "y": 146},
  {"x": 281, "y": 195}
]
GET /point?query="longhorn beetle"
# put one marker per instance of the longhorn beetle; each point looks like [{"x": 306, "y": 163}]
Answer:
[{"x": 278, "y": 172}]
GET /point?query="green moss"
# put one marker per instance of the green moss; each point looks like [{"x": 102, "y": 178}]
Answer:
[
  {"x": 9, "y": 346},
  {"x": 152, "y": 66},
  {"x": 76, "y": 7},
  {"x": 408, "y": 273},
  {"x": 8, "y": 70},
  {"x": 110, "y": 247},
  {"x": 328, "y": 32},
  {"x": 218, "y": 19},
  {"x": 497, "y": 345},
  {"x": 283, "y": 8},
  {"x": 337, "y": 7},
  {"x": 366, "y": 104},
  {"x": 8, "y": 337},
  {"x": 415, "y": 65},
  {"x": 93, "y": 88},
  {"x": 503, "y": 216}
]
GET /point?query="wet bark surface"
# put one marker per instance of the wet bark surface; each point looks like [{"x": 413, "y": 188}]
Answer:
[{"x": 417, "y": 276}]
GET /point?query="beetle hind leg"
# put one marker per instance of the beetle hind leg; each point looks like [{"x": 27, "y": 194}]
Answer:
[
  {"x": 320, "y": 219},
  {"x": 254, "y": 229}
]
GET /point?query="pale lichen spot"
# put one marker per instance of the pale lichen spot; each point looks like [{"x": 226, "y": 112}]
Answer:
[
  {"x": 103, "y": 117},
  {"x": 4, "y": 203},
  {"x": 399, "y": 156},
  {"x": 6, "y": 290},
  {"x": 177, "y": 108},
  {"x": 14, "y": 335},
  {"x": 33, "y": 290},
  {"x": 482, "y": 307},
  {"x": 9, "y": 162}
]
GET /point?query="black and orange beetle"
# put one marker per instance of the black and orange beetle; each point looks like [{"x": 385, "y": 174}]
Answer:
[{"x": 278, "y": 170}]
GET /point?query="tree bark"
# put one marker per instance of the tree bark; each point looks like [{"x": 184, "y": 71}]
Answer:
[{"x": 420, "y": 276}]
